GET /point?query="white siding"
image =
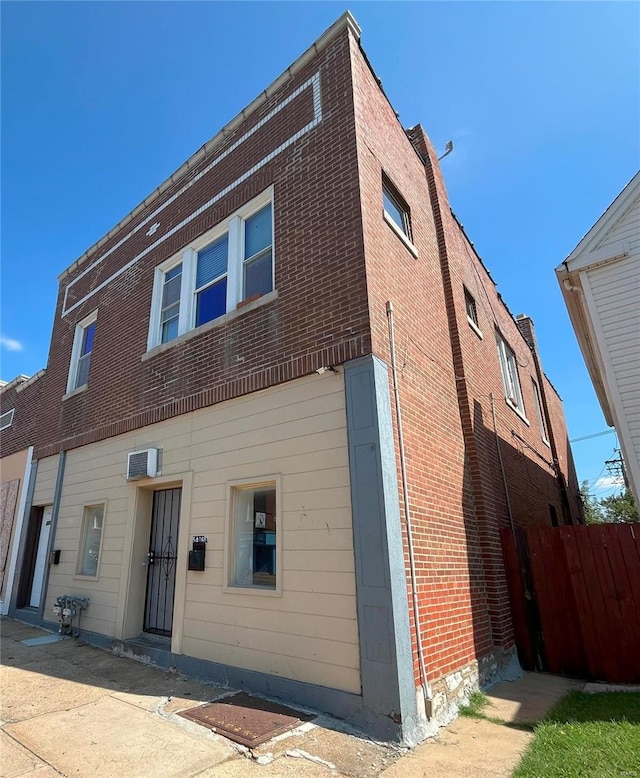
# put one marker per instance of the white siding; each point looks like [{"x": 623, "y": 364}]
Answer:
[
  {"x": 615, "y": 292},
  {"x": 626, "y": 229},
  {"x": 297, "y": 430}
]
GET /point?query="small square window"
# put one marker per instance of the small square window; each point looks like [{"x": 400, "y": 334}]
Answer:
[
  {"x": 6, "y": 420},
  {"x": 81, "y": 352},
  {"x": 509, "y": 368},
  {"x": 471, "y": 308},
  {"x": 254, "y": 536},
  {"x": 90, "y": 541},
  {"x": 395, "y": 209}
]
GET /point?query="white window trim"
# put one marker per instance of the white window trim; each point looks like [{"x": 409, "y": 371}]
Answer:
[
  {"x": 537, "y": 399},
  {"x": 75, "y": 352},
  {"x": 188, "y": 256},
  {"x": 4, "y": 423},
  {"x": 513, "y": 395},
  {"x": 472, "y": 323},
  {"x": 229, "y": 537},
  {"x": 78, "y": 575}
]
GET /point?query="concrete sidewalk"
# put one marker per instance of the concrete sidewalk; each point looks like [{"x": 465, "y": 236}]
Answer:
[{"x": 73, "y": 710}]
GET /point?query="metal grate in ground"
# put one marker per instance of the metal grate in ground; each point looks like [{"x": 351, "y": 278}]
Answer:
[{"x": 247, "y": 720}]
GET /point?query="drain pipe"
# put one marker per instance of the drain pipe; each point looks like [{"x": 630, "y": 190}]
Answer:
[
  {"x": 407, "y": 516},
  {"x": 504, "y": 475}
]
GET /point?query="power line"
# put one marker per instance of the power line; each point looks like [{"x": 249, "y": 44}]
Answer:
[{"x": 595, "y": 435}]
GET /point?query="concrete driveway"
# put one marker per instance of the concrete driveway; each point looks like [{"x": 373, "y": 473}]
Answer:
[{"x": 73, "y": 710}]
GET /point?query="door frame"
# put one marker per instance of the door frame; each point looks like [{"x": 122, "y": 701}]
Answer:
[
  {"x": 131, "y": 599},
  {"x": 41, "y": 553},
  {"x": 155, "y": 504},
  {"x": 28, "y": 562}
]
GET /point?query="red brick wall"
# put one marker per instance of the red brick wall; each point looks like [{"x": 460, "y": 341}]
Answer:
[
  {"x": 25, "y": 398},
  {"x": 320, "y": 314},
  {"x": 450, "y": 576},
  {"x": 448, "y": 375},
  {"x": 331, "y": 308}
]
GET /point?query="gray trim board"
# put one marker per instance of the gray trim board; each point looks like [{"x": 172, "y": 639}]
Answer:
[
  {"x": 55, "y": 510},
  {"x": 386, "y": 656}
]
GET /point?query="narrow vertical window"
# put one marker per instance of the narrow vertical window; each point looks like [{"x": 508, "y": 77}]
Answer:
[
  {"x": 258, "y": 241},
  {"x": 82, "y": 374},
  {"x": 170, "y": 309},
  {"x": 254, "y": 536},
  {"x": 83, "y": 341},
  {"x": 90, "y": 541},
  {"x": 211, "y": 281},
  {"x": 509, "y": 368},
  {"x": 472, "y": 310},
  {"x": 539, "y": 412}
]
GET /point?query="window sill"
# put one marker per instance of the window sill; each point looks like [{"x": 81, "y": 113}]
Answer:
[
  {"x": 226, "y": 318},
  {"x": 517, "y": 411},
  {"x": 546, "y": 443},
  {"x": 74, "y": 392},
  {"x": 400, "y": 234},
  {"x": 86, "y": 577},
  {"x": 260, "y": 591},
  {"x": 475, "y": 327}
]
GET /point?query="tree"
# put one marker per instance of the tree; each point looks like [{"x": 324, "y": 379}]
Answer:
[
  {"x": 620, "y": 507},
  {"x": 593, "y": 512}
]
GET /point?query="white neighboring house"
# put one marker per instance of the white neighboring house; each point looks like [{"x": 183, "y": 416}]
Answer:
[{"x": 600, "y": 281}]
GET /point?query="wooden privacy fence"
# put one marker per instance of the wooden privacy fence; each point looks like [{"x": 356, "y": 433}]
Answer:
[{"x": 575, "y": 599}]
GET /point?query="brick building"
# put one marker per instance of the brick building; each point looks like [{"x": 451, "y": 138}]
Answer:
[{"x": 321, "y": 387}]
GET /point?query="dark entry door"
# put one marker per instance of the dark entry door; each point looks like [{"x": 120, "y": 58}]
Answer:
[{"x": 161, "y": 575}]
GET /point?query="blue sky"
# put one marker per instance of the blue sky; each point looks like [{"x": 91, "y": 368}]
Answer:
[{"x": 101, "y": 101}]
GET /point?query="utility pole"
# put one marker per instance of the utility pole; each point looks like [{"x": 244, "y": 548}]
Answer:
[{"x": 616, "y": 468}]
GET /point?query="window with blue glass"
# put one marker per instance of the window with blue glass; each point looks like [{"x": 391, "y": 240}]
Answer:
[
  {"x": 81, "y": 352},
  {"x": 207, "y": 279},
  {"x": 211, "y": 281},
  {"x": 258, "y": 266}
]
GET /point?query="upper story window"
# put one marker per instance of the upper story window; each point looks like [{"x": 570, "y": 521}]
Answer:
[
  {"x": 230, "y": 263},
  {"x": 509, "y": 368},
  {"x": 395, "y": 208},
  {"x": 396, "y": 213},
  {"x": 472, "y": 311},
  {"x": 541, "y": 420},
  {"x": 6, "y": 420},
  {"x": 81, "y": 352}
]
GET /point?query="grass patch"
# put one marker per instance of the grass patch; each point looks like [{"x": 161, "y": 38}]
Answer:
[
  {"x": 475, "y": 709},
  {"x": 586, "y": 736}
]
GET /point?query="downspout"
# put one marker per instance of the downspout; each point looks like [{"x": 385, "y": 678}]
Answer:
[
  {"x": 504, "y": 475},
  {"x": 562, "y": 486},
  {"x": 55, "y": 509},
  {"x": 407, "y": 515}
]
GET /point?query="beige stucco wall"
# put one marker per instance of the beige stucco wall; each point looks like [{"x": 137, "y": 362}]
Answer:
[{"x": 296, "y": 431}]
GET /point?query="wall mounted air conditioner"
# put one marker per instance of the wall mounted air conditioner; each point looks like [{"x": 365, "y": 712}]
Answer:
[{"x": 142, "y": 464}]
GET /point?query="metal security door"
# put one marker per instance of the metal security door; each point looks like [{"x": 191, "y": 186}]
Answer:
[{"x": 161, "y": 575}]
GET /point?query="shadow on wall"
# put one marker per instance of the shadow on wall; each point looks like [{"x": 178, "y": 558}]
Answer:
[{"x": 515, "y": 487}]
